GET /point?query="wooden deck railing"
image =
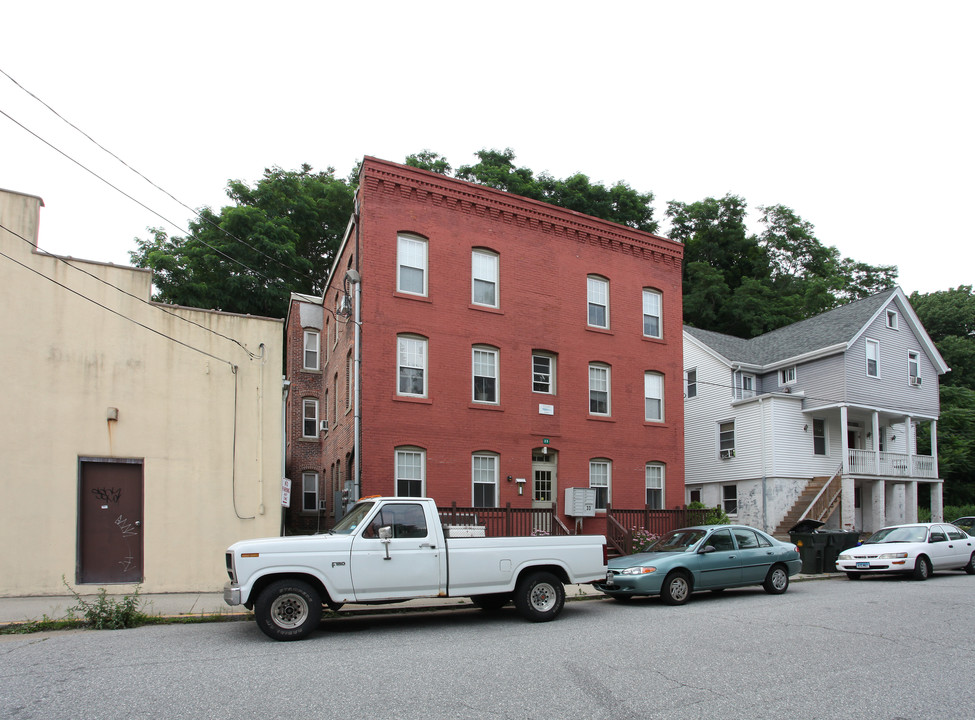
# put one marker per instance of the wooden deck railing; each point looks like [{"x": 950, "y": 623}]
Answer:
[
  {"x": 506, "y": 521},
  {"x": 621, "y": 524}
]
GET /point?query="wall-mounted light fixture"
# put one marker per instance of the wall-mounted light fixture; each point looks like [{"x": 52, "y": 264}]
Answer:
[{"x": 805, "y": 428}]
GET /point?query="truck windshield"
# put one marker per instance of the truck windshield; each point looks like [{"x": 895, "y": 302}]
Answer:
[{"x": 350, "y": 522}]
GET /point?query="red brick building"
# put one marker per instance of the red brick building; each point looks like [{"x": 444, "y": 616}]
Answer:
[{"x": 482, "y": 348}]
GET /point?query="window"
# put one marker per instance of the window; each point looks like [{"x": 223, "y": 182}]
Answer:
[
  {"x": 349, "y": 380},
  {"x": 598, "y": 294},
  {"x": 819, "y": 436},
  {"x": 694, "y": 494},
  {"x": 410, "y": 472},
  {"x": 485, "y": 370},
  {"x": 744, "y": 385},
  {"x": 312, "y": 340},
  {"x": 653, "y": 396},
  {"x": 690, "y": 383},
  {"x": 309, "y": 417},
  {"x": 873, "y": 358},
  {"x": 325, "y": 346},
  {"x": 787, "y": 376},
  {"x": 600, "y": 474},
  {"x": 543, "y": 373},
  {"x": 309, "y": 492},
  {"x": 405, "y": 520},
  {"x": 325, "y": 411},
  {"x": 599, "y": 390},
  {"x": 411, "y": 262},
  {"x": 892, "y": 319},
  {"x": 335, "y": 397},
  {"x": 729, "y": 499},
  {"x": 746, "y": 539},
  {"x": 651, "y": 314},
  {"x": 484, "y": 476},
  {"x": 411, "y": 366},
  {"x": 655, "y": 486},
  {"x": 726, "y": 439},
  {"x": 484, "y": 278},
  {"x": 913, "y": 367}
]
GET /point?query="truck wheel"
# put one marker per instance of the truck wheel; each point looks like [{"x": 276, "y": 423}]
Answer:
[
  {"x": 288, "y": 610},
  {"x": 539, "y": 596},
  {"x": 492, "y": 602}
]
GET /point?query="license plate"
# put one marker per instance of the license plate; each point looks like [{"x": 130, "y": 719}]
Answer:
[
  {"x": 863, "y": 565},
  {"x": 609, "y": 579}
]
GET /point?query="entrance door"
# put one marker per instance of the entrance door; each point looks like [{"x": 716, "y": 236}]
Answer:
[
  {"x": 544, "y": 488},
  {"x": 110, "y": 522}
]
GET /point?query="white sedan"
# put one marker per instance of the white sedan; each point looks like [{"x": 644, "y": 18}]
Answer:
[{"x": 918, "y": 548}]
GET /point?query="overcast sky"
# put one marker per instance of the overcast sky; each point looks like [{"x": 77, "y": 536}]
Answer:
[{"x": 858, "y": 115}]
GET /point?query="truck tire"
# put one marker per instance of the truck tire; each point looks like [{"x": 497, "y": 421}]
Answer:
[
  {"x": 492, "y": 602},
  {"x": 539, "y": 596},
  {"x": 288, "y": 610}
]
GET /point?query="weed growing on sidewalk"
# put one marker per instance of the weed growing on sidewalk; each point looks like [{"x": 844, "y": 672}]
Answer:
[{"x": 105, "y": 613}]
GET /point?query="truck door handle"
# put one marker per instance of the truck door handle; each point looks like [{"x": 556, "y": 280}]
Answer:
[{"x": 428, "y": 545}]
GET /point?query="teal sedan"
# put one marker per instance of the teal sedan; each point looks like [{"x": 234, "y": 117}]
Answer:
[{"x": 705, "y": 557}]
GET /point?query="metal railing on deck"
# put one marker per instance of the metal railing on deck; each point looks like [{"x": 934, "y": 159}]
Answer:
[
  {"x": 506, "y": 521},
  {"x": 621, "y": 524}
]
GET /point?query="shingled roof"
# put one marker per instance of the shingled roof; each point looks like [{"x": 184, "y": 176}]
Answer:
[{"x": 806, "y": 336}]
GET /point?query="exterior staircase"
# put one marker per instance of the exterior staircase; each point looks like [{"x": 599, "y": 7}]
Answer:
[{"x": 817, "y": 502}]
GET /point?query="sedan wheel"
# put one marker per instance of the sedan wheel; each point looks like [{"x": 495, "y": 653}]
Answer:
[
  {"x": 777, "y": 581},
  {"x": 676, "y": 589},
  {"x": 970, "y": 568},
  {"x": 922, "y": 568}
]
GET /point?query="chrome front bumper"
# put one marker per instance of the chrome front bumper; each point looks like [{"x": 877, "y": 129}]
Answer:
[{"x": 231, "y": 594}]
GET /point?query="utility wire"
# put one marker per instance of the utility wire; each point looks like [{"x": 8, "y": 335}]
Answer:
[
  {"x": 160, "y": 189},
  {"x": 157, "y": 306},
  {"x": 115, "y": 312}
]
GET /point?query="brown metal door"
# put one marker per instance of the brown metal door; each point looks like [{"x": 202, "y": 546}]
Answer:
[{"x": 110, "y": 523}]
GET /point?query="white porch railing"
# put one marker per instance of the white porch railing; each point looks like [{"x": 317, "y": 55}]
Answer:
[{"x": 864, "y": 462}]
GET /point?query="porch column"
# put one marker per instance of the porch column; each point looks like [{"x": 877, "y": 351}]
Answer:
[
  {"x": 875, "y": 434},
  {"x": 910, "y": 502},
  {"x": 911, "y": 444},
  {"x": 878, "y": 505},
  {"x": 934, "y": 446},
  {"x": 844, "y": 440},
  {"x": 937, "y": 502},
  {"x": 847, "y": 504}
]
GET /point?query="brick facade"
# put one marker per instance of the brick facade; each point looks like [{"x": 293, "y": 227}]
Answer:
[{"x": 543, "y": 255}]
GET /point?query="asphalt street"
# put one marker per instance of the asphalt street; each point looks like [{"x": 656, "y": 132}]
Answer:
[{"x": 880, "y": 648}]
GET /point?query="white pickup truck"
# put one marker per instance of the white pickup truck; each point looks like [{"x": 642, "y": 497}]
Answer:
[{"x": 389, "y": 549}]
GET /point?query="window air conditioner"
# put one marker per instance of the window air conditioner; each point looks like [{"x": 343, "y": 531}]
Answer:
[
  {"x": 321, "y": 505},
  {"x": 325, "y": 426},
  {"x": 916, "y": 380},
  {"x": 727, "y": 454}
]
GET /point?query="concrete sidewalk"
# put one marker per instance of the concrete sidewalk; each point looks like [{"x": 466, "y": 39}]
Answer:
[{"x": 15, "y": 610}]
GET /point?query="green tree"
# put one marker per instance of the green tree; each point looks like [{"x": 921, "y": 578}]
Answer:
[
  {"x": 429, "y": 160},
  {"x": 279, "y": 236}
]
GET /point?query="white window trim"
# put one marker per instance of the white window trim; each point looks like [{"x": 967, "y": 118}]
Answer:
[
  {"x": 402, "y": 243},
  {"x": 305, "y": 417},
  {"x": 788, "y": 376},
  {"x": 825, "y": 423},
  {"x": 307, "y": 477},
  {"x": 410, "y": 450},
  {"x": 493, "y": 352},
  {"x": 868, "y": 343},
  {"x": 551, "y": 376},
  {"x": 647, "y": 294},
  {"x": 591, "y": 300},
  {"x": 913, "y": 363},
  {"x": 423, "y": 347},
  {"x": 608, "y": 485},
  {"x": 314, "y": 338},
  {"x": 494, "y": 279},
  {"x": 740, "y": 392},
  {"x": 734, "y": 436},
  {"x": 650, "y": 378},
  {"x": 494, "y": 481},
  {"x": 892, "y": 319},
  {"x": 688, "y": 383},
  {"x": 725, "y": 500},
  {"x": 663, "y": 481},
  {"x": 609, "y": 389}
]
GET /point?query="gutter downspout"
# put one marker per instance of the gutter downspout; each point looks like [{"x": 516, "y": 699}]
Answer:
[
  {"x": 285, "y": 391},
  {"x": 356, "y": 364},
  {"x": 761, "y": 412}
]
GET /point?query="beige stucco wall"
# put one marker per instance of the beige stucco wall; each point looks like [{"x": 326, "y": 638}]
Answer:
[{"x": 211, "y": 472}]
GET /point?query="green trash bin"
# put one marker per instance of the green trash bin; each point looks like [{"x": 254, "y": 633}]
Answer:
[
  {"x": 812, "y": 546},
  {"x": 836, "y": 543}
]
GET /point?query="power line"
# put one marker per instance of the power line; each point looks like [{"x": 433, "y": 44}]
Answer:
[
  {"x": 126, "y": 292},
  {"x": 160, "y": 189}
]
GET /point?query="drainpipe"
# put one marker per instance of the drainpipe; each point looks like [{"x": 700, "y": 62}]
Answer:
[
  {"x": 356, "y": 364},
  {"x": 285, "y": 390},
  {"x": 761, "y": 412}
]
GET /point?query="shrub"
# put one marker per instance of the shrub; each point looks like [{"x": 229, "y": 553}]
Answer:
[
  {"x": 713, "y": 516},
  {"x": 105, "y": 613}
]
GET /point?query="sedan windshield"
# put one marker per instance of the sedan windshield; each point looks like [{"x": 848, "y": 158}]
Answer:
[
  {"x": 350, "y": 522},
  {"x": 677, "y": 541},
  {"x": 909, "y": 534}
]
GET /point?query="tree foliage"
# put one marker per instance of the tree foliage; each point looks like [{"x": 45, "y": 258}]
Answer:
[
  {"x": 279, "y": 236},
  {"x": 755, "y": 283}
]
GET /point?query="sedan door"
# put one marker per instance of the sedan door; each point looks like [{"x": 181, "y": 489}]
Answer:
[
  {"x": 756, "y": 553},
  {"x": 720, "y": 567},
  {"x": 939, "y": 549},
  {"x": 961, "y": 544}
]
